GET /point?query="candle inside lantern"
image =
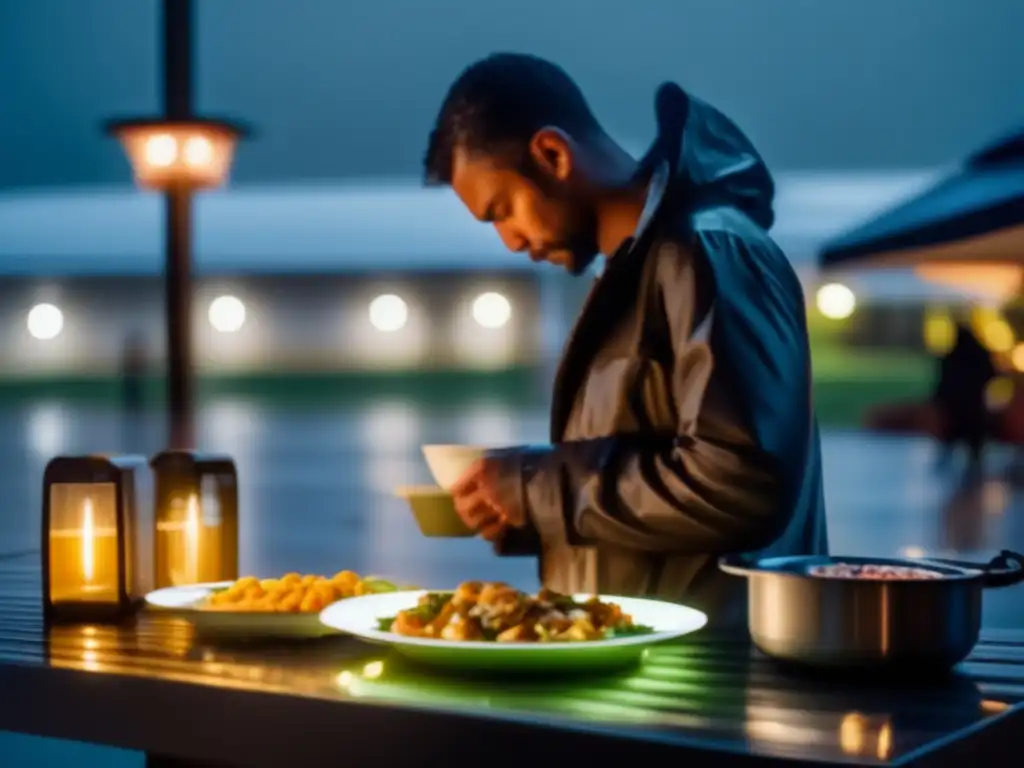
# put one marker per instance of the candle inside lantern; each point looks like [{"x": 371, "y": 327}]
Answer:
[
  {"x": 192, "y": 540},
  {"x": 83, "y": 561},
  {"x": 188, "y": 545},
  {"x": 88, "y": 542},
  {"x": 97, "y": 543}
]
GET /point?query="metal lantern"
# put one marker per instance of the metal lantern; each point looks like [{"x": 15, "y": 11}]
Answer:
[
  {"x": 192, "y": 153},
  {"x": 196, "y": 502},
  {"x": 96, "y": 537}
]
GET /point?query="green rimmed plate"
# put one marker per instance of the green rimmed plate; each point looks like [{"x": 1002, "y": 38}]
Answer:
[{"x": 360, "y": 616}]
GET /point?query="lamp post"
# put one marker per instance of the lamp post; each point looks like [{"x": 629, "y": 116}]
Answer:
[{"x": 177, "y": 154}]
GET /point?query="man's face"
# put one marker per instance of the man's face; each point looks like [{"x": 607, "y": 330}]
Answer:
[{"x": 537, "y": 213}]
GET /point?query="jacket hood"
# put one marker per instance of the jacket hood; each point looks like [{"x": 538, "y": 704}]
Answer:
[{"x": 711, "y": 156}]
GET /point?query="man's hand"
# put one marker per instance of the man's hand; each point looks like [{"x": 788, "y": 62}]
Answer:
[{"x": 478, "y": 501}]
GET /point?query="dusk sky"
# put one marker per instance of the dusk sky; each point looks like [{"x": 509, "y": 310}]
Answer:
[{"x": 342, "y": 88}]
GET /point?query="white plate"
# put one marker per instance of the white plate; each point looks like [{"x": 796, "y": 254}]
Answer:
[
  {"x": 359, "y": 616},
  {"x": 185, "y": 601}
]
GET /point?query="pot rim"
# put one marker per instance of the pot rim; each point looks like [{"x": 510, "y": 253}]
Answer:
[{"x": 796, "y": 566}]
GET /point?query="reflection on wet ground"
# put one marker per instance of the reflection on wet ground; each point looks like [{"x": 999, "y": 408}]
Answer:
[{"x": 315, "y": 488}]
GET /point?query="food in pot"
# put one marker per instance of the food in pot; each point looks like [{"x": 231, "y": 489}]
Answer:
[
  {"x": 292, "y": 593},
  {"x": 482, "y": 611},
  {"x": 871, "y": 571}
]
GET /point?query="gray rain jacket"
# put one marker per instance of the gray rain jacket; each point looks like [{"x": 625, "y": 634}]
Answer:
[{"x": 682, "y": 426}]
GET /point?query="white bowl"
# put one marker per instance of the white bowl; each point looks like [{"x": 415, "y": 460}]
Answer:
[{"x": 449, "y": 462}]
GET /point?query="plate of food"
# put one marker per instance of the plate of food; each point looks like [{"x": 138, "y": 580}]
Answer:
[
  {"x": 284, "y": 607},
  {"x": 483, "y": 625}
]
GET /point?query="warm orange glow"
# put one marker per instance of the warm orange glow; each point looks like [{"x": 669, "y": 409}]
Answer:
[
  {"x": 993, "y": 707},
  {"x": 162, "y": 155},
  {"x": 84, "y": 553},
  {"x": 992, "y": 329},
  {"x": 192, "y": 540},
  {"x": 858, "y": 736},
  {"x": 852, "y": 730},
  {"x": 998, "y": 336},
  {"x": 999, "y": 282},
  {"x": 939, "y": 331},
  {"x": 884, "y": 746},
  {"x": 188, "y": 545},
  {"x": 88, "y": 542},
  {"x": 999, "y": 393},
  {"x": 1017, "y": 357}
]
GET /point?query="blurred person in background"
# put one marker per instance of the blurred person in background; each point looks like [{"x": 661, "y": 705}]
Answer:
[
  {"x": 682, "y": 427},
  {"x": 133, "y": 378},
  {"x": 964, "y": 375}
]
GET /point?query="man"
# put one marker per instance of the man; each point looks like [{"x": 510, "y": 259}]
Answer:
[
  {"x": 965, "y": 373},
  {"x": 682, "y": 427}
]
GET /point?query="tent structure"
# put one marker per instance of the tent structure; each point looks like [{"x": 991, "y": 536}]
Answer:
[{"x": 967, "y": 230}]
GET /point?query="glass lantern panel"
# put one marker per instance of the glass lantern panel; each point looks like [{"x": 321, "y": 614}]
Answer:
[
  {"x": 189, "y": 538},
  {"x": 83, "y": 543}
]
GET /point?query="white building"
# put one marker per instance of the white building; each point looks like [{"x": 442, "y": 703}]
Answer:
[{"x": 291, "y": 276}]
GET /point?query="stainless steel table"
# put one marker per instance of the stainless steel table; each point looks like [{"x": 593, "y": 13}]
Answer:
[{"x": 154, "y": 687}]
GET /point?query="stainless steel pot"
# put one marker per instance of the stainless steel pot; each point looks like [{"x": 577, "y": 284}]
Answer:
[{"x": 926, "y": 624}]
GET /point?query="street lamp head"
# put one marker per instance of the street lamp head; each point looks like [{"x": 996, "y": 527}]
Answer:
[{"x": 196, "y": 153}]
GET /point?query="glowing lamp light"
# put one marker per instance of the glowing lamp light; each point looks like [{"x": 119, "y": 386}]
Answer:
[
  {"x": 999, "y": 393},
  {"x": 491, "y": 310},
  {"x": 836, "y": 301},
  {"x": 192, "y": 153},
  {"x": 45, "y": 322},
  {"x": 998, "y": 336},
  {"x": 913, "y": 552},
  {"x": 1017, "y": 357},
  {"x": 865, "y": 736},
  {"x": 389, "y": 313},
  {"x": 939, "y": 331},
  {"x": 97, "y": 541},
  {"x": 995, "y": 282},
  {"x": 196, "y": 518},
  {"x": 227, "y": 314},
  {"x": 992, "y": 329}
]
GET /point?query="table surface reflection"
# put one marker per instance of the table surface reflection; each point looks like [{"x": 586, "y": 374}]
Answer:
[
  {"x": 315, "y": 491},
  {"x": 710, "y": 691}
]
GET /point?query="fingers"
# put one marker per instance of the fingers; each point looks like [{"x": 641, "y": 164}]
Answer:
[
  {"x": 472, "y": 489},
  {"x": 469, "y": 504},
  {"x": 492, "y": 528},
  {"x": 480, "y": 515},
  {"x": 470, "y": 478},
  {"x": 476, "y": 505}
]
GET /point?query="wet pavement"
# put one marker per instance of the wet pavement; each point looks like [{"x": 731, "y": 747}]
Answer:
[
  {"x": 315, "y": 495},
  {"x": 315, "y": 488}
]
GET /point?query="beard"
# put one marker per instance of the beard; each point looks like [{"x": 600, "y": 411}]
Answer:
[
  {"x": 572, "y": 256},
  {"x": 576, "y": 246},
  {"x": 580, "y": 246}
]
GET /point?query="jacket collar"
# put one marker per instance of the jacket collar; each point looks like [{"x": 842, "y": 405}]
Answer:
[{"x": 617, "y": 281}]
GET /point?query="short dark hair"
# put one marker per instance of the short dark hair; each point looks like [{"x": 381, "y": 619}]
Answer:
[{"x": 497, "y": 104}]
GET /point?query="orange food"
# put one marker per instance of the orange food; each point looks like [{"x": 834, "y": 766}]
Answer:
[{"x": 292, "y": 593}]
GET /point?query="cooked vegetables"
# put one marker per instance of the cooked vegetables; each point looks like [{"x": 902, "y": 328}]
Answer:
[{"x": 496, "y": 612}]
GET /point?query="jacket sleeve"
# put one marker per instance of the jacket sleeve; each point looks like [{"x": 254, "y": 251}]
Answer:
[{"x": 673, "y": 493}]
